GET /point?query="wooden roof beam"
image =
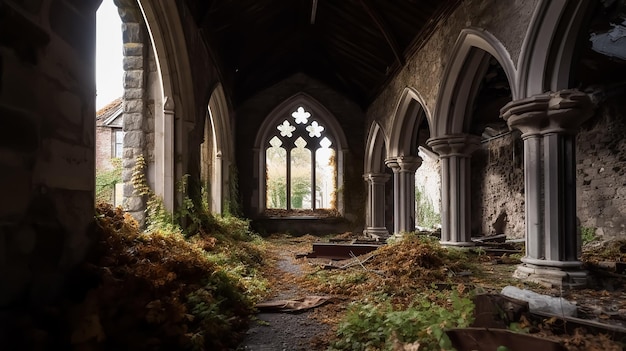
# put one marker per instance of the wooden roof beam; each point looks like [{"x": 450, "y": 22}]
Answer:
[{"x": 384, "y": 29}]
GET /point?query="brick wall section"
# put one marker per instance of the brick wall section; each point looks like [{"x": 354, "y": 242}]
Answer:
[
  {"x": 103, "y": 148},
  {"x": 601, "y": 171},
  {"x": 498, "y": 187},
  {"x": 47, "y": 104}
]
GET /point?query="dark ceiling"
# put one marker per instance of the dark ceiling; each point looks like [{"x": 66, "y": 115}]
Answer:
[{"x": 353, "y": 46}]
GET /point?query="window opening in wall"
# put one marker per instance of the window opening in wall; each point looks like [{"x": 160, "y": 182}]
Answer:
[
  {"x": 109, "y": 54},
  {"x": 427, "y": 191},
  {"x": 300, "y": 165},
  {"x": 109, "y": 105},
  {"x": 118, "y": 143}
]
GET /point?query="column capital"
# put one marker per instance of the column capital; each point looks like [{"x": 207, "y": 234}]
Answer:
[
  {"x": 551, "y": 112},
  {"x": 376, "y": 178},
  {"x": 454, "y": 144},
  {"x": 404, "y": 163}
]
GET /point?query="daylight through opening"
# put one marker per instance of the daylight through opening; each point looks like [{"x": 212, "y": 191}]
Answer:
[{"x": 300, "y": 164}]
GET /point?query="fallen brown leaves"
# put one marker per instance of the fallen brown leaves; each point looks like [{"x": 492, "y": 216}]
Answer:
[
  {"x": 411, "y": 267},
  {"x": 141, "y": 292}
]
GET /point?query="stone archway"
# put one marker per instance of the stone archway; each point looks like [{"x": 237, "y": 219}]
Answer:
[
  {"x": 376, "y": 177},
  {"x": 451, "y": 138},
  {"x": 410, "y": 119},
  {"x": 217, "y": 152}
]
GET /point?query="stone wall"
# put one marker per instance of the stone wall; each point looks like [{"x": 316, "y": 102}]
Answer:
[
  {"x": 507, "y": 20},
  {"x": 601, "y": 171},
  {"x": 152, "y": 89},
  {"x": 498, "y": 187},
  {"x": 250, "y": 117},
  {"x": 47, "y": 161},
  {"x": 135, "y": 37}
]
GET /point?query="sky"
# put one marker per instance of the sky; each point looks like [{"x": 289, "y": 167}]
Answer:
[{"x": 109, "y": 72}]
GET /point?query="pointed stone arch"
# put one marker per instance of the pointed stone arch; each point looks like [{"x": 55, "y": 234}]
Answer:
[
  {"x": 376, "y": 177},
  {"x": 461, "y": 80},
  {"x": 268, "y": 128},
  {"x": 546, "y": 58},
  {"x": 469, "y": 62},
  {"x": 402, "y": 156},
  {"x": 375, "y": 149},
  {"x": 409, "y": 114},
  {"x": 175, "y": 99},
  {"x": 217, "y": 152}
]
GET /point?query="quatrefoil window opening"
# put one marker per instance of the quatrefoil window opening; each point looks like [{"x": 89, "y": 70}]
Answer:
[
  {"x": 301, "y": 126},
  {"x": 300, "y": 165}
]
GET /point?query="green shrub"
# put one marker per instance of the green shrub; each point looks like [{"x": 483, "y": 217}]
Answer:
[
  {"x": 588, "y": 234},
  {"x": 379, "y": 325}
]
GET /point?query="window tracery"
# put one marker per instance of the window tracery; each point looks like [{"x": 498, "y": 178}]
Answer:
[{"x": 300, "y": 164}]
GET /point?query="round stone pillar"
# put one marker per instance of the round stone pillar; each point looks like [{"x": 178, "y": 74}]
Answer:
[
  {"x": 404, "y": 168},
  {"x": 549, "y": 123},
  {"x": 455, "y": 154},
  {"x": 375, "y": 216}
]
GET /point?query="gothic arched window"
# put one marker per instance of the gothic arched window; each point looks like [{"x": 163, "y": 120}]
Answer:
[
  {"x": 300, "y": 164},
  {"x": 300, "y": 159}
]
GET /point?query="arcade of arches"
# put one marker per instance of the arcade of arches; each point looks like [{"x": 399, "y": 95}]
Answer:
[{"x": 520, "y": 104}]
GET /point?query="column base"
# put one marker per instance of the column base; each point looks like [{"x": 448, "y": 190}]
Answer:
[
  {"x": 457, "y": 243},
  {"x": 553, "y": 277},
  {"x": 378, "y": 233}
]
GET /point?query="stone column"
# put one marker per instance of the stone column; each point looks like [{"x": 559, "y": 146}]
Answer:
[
  {"x": 455, "y": 153},
  {"x": 404, "y": 168},
  {"x": 375, "y": 217},
  {"x": 549, "y": 123},
  {"x": 134, "y": 125}
]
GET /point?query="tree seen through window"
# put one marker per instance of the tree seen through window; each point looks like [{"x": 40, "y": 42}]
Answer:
[{"x": 300, "y": 165}]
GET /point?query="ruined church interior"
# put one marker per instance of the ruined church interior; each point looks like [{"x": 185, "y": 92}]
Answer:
[{"x": 319, "y": 117}]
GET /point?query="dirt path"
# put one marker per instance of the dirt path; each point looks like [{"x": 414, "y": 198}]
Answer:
[{"x": 285, "y": 331}]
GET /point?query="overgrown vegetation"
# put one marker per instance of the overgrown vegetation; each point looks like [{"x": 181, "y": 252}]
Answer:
[
  {"x": 106, "y": 180},
  {"x": 588, "y": 235},
  {"x": 187, "y": 294},
  {"x": 379, "y": 325},
  {"x": 171, "y": 287},
  {"x": 407, "y": 293}
]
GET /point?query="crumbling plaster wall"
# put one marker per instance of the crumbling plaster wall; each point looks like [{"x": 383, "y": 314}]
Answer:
[
  {"x": 251, "y": 115},
  {"x": 601, "y": 171},
  {"x": 498, "y": 187},
  {"x": 47, "y": 159}
]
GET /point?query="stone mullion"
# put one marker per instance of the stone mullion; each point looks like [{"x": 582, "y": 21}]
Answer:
[
  {"x": 313, "y": 178},
  {"x": 288, "y": 178}
]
